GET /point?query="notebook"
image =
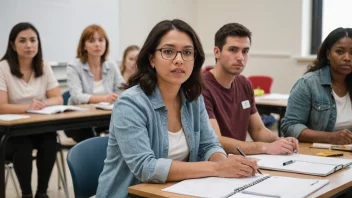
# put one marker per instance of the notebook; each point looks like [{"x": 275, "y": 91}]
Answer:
[
  {"x": 104, "y": 106},
  {"x": 252, "y": 187},
  {"x": 304, "y": 164},
  {"x": 347, "y": 147},
  {"x": 10, "y": 117},
  {"x": 56, "y": 109}
]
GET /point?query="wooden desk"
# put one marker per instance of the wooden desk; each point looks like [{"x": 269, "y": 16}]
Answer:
[
  {"x": 339, "y": 181},
  {"x": 272, "y": 105},
  {"x": 38, "y": 123}
]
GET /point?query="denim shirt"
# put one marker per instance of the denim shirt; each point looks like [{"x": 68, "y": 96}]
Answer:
[
  {"x": 138, "y": 140},
  {"x": 81, "y": 81},
  {"x": 311, "y": 104}
]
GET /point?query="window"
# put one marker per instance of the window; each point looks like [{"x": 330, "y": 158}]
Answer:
[{"x": 328, "y": 15}]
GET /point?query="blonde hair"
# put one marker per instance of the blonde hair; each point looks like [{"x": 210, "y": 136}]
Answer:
[
  {"x": 87, "y": 34},
  {"x": 127, "y": 50}
]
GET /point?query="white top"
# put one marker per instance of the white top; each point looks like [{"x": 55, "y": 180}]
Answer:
[
  {"x": 178, "y": 147},
  {"x": 98, "y": 88},
  {"x": 344, "y": 112},
  {"x": 22, "y": 92}
]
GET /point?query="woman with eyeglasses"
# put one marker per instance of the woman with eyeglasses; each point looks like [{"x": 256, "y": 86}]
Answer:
[{"x": 160, "y": 130}]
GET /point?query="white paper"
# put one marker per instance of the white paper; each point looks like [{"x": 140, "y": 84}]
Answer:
[
  {"x": 327, "y": 146},
  {"x": 104, "y": 106},
  {"x": 306, "y": 164},
  {"x": 56, "y": 109},
  {"x": 210, "y": 186},
  {"x": 284, "y": 187},
  {"x": 10, "y": 117},
  {"x": 273, "y": 96}
]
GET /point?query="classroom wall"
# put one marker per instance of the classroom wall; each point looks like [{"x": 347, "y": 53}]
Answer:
[
  {"x": 138, "y": 17},
  {"x": 277, "y": 25}
]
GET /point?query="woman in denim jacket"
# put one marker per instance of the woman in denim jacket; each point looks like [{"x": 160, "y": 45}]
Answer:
[
  {"x": 320, "y": 102},
  {"x": 159, "y": 129}
]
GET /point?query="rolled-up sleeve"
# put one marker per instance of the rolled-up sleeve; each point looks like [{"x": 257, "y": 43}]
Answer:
[
  {"x": 298, "y": 110},
  {"x": 130, "y": 129},
  {"x": 75, "y": 86},
  {"x": 209, "y": 143}
]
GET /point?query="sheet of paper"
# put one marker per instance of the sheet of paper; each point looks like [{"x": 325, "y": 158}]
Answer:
[
  {"x": 210, "y": 186},
  {"x": 104, "y": 105},
  {"x": 274, "y": 186},
  {"x": 10, "y": 117},
  {"x": 273, "y": 96},
  {"x": 306, "y": 164}
]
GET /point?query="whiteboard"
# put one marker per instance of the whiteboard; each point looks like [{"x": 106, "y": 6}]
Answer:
[{"x": 60, "y": 23}]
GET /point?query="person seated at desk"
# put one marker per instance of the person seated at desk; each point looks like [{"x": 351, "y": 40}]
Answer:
[
  {"x": 91, "y": 78},
  {"x": 320, "y": 101},
  {"x": 128, "y": 66},
  {"x": 28, "y": 83},
  {"x": 229, "y": 98},
  {"x": 160, "y": 131}
]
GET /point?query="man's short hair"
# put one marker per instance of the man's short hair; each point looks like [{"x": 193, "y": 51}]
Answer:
[{"x": 231, "y": 29}]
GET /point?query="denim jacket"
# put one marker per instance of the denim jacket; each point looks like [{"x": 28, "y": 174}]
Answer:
[
  {"x": 81, "y": 81},
  {"x": 311, "y": 104},
  {"x": 138, "y": 140}
]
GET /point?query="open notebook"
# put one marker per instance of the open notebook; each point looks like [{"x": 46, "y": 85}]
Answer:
[
  {"x": 253, "y": 187},
  {"x": 56, "y": 109},
  {"x": 104, "y": 106},
  {"x": 347, "y": 147},
  {"x": 305, "y": 164}
]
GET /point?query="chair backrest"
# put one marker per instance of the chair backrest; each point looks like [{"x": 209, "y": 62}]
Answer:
[
  {"x": 66, "y": 95},
  {"x": 263, "y": 82},
  {"x": 207, "y": 68},
  {"x": 86, "y": 162}
]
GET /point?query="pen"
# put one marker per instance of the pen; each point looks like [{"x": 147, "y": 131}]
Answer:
[
  {"x": 244, "y": 155},
  {"x": 288, "y": 163}
]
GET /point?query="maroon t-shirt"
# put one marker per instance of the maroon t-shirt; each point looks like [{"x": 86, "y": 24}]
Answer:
[{"x": 230, "y": 107}]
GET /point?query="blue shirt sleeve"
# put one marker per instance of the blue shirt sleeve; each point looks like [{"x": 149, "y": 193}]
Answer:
[{"x": 298, "y": 110}]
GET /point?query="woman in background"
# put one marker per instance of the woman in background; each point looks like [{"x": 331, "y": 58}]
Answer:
[
  {"x": 319, "y": 108},
  {"x": 91, "y": 77},
  {"x": 28, "y": 83},
  {"x": 160, "y": 130},
  {"x": 128, "y": 66}
]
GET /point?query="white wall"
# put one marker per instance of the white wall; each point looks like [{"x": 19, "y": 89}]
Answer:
[
  {"x": 138, "y": 17},
  {"x": 60, "y": 24},
  {"x": 276, "y": 26}
]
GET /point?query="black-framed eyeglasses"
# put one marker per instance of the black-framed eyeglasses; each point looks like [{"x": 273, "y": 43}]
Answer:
[{"x": 170, "y": 54}]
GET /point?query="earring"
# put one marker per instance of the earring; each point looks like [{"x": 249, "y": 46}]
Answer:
[{"x": 328, "y": 61}]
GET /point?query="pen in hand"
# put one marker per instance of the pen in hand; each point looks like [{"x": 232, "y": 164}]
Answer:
[{"x": 244, "y": 155}]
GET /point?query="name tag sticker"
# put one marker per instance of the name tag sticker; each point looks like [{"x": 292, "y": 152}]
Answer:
[{"x": 246, "y": 104}]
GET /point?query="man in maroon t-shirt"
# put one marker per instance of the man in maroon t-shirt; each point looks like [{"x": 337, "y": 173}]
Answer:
[{"x": 229, "y": 98}]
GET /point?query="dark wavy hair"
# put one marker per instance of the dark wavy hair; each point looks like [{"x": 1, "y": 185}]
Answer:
[
  {"x": 11, "y": 55},
  {"x": 322, "y": 59},
  {"x": 146, "y": 75}
]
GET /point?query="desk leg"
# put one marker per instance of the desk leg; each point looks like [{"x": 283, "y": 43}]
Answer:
[{"x": 2, "y": 166}]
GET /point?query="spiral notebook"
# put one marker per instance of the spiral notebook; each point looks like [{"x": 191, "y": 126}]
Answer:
[
  {"x": 304, "y": 164},
  {"x": 252, "y": 187}
]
